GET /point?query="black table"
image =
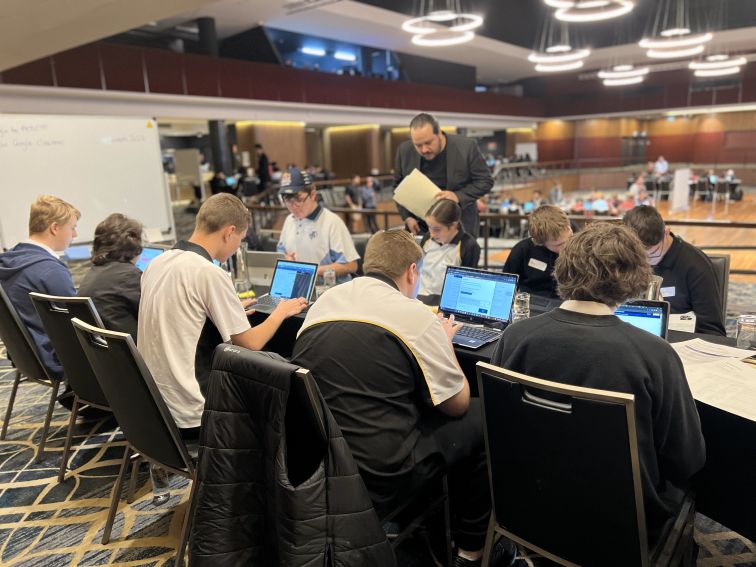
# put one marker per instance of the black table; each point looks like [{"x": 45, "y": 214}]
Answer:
[{"x": 726, "y": 487}]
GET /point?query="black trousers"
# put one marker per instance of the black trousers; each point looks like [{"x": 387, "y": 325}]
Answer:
[{"x": 455, "y": 447}]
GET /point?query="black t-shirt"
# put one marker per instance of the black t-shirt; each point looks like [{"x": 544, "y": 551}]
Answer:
[
  {"x": 115, "y": 290},
  {"x": 690, "y": 284},
  {"x": 535, "y": 266},
  {"x": 603, "y": 352},
  {"x": 435, "y": 169}
]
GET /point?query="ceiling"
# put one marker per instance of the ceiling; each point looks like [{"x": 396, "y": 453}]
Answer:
[{"x": 30, "y": 29}]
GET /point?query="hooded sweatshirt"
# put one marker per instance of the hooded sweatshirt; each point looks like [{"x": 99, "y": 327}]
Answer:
[{"x": 28, "y": 267}]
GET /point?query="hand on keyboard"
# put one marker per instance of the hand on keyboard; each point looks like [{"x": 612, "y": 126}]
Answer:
[
  {"x": 289, "y": 307},
  {"x": 449, "y": 326}
]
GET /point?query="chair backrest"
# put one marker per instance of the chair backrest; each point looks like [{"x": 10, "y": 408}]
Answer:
[
  {"x": 306, "y": 432},
  {"x": 721, "y": 265},
  {"x": 19, "y": 343},
  {"x": 56, "y": 314},
  {"x": 564, "y": 468},
  {"x": 360, "y": 244},
  {"x": 133, "y": 395}
]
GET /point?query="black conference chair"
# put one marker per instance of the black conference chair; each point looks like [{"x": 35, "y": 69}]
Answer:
[
  {"x": 56, "y": 314},
  {"x": 565, "y": 475},
  {"x": 23, "y": 353},
  {"x": 721, "y": 265},
  {"x": 139, "y": 408}
]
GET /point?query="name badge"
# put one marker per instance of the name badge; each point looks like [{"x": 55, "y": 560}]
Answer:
[
  {"x": 541, "y": 266},
  {"x": 668, "y": 291}
]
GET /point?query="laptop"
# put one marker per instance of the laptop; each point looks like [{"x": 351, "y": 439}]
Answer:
[
  {"x": 261, "y": 265},
  {"x": 479, "y": 299},
  {"x": 651, "y": 316},
  {"x": 149, "y": 253},
  {"x": 290, "y": 279}
]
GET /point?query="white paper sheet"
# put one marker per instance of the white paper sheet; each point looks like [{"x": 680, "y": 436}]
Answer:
[
  {"x": 698, "y": 351},
  {"x": 416, "y": 193},
  {"x": 685, "y": 322},
  {"x": 727, "y": 384}
]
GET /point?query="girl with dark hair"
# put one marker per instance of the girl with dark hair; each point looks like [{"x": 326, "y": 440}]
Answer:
[
  {"x": 113, "y": 282},
  {"x": 445, "y": 244}
]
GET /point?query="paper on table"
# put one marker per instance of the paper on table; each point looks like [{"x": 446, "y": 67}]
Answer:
[
  {"x": 685, "y": 322},
  {"x": 416, "y": 193},
  {"x": 698, "y": 351},
  {"x": 727, "y": 384}
]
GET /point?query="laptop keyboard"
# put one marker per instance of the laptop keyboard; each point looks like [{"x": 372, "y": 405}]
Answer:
[
  {"x": 271, "y": 300},
  {"x": 481, "y": 333}
]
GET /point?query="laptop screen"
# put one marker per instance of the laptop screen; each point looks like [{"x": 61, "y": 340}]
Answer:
[
  {"x": 650, "y": 316},
  {"x": 293, "y": 279},
  {"x": 478, "y": 293},
  {"x": 148, "y": 254}
]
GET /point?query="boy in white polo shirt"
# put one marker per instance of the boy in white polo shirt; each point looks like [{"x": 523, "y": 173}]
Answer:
[
  {"x": 312, "y": 233},
  {"x": 189, "y": 306}
]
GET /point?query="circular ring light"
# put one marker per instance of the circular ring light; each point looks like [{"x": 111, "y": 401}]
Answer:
[
  {"x": 675, "y": 31},
  {"x": 442, "y": 38},
  {"x": 717, "y": 72},
  {"x": 558, "y": 68},
  {"x": 415, "y": 25},
  {"x": 558, "y": 48},
  {"x": 595, "y": 10},
  {"x": 623, "y": 82},
  {"x": 559, "y": 4},
  {"x": 675, "y": 53},
  {"x": 717, "y": 62},
  {"x": 677, "y": 40},
  {"x": 624, "y": 72},
  {"x": 563, "y": 57}
]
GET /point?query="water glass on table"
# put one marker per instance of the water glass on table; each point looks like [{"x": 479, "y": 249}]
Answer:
[
  {"x": 521, "y": 307},
  {"x": 746, "y": 331}
]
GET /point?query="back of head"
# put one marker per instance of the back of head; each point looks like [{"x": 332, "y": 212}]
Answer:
[
  {"x": 48, "y": 209},
  {"x": 220, "y": 211},
  {"x": 391, "y": 252},
  {"x": 547, "y": 222},
  {"x": 647, "y": 223},
  {"x": 117, "y": 239},
  {"x": 605, "y": 263},
  {"x": 446, "y": 212},
  {"x": 424, "y": 118}
]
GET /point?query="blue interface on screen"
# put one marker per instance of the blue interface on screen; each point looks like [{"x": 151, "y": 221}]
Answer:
[
  {"x": 482, "y": 295},
  {"x": 647, "y": 317},
  {"x": 292, "y": 279},
  {"x": 147, "y": 255}
]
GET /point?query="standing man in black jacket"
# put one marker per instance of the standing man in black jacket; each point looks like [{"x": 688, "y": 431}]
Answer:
[
  {"x": 263, "y": 167},
  {"x": 454, "y": 163},
  {"x": 688, "y": 279}
]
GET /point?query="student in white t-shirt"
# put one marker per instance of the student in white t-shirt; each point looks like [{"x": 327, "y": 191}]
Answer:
[
  {"x": 312, "y": 233},
  {"x": 189, "y": 306}
]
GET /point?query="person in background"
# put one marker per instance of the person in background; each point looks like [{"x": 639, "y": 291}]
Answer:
[
  {"x": 537, "y": 198},
  {"x": 453, "y": 163},
  {"x": 368, "y": 202},
  {"x": 533, "y": 259},
  {"x": 113, "y": 282},
  {"x": 353, "y": 197},
  {"x": 445, "y": 244},
  {"x": 600, "y": 268},
  {"x": 688, "y": 279},
  {"x": 33, "y": 265},
  {"x": 661, "y": 166},
  {"x": 556, "y": 194},
  {"x": 263, "y": 167},
  {"x": 312, "y": 233}
]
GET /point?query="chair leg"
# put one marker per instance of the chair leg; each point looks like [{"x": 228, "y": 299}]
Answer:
[
  {"x": 48, "y": 417},
  {"x": 69, "y": 437},
  {"x": 136, "y": 460},
  {"x": 11, "y": 401},
  {"x": 116, "y": 497},
  {"x": 489, "y": 541},
  {"x": 447, "y": 524},
  {"x": 187, "y": 527}
]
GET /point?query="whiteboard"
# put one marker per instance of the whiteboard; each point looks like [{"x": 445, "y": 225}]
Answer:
[{"x": 101, "y": 165}]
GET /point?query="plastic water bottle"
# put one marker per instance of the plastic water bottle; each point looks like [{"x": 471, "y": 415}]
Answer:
[{"x": 161, "y": 485}]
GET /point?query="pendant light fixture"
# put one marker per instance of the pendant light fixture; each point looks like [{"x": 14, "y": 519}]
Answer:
[
  {"x": 442, "y": 23},
  {"x": 580, "y": 11},
  {"x": 555, "y": 54},
  {"x": 621, "y": 75},
  {"x": 673, "y": 38},
  {"x": 718, "y": 66}
]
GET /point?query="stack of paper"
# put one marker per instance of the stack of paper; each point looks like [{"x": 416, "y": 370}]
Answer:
[
  {"x": 718, "y": 376},
  {"x": 416, "y": 193}
]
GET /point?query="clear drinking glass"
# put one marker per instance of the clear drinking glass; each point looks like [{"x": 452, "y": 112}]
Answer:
[
  {"x": 521, "y": 307},
  {"x": 747, "y": 331},
  {"x": 161, "y": 485}
]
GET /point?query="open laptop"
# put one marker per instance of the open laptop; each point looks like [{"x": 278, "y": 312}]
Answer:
[
  {"x": 149, "y": 253},
  {"x": 479, "y": 299},
  {"x": 651, "y": 316},
  {"x": 261, "y": 265},
  {"x": 290, "y": 279}
]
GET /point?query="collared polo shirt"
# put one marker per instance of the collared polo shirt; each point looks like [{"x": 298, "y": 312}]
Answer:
[{"x": 463, "y": 250}]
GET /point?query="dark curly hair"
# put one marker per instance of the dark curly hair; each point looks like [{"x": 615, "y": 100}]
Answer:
[
  {"x": 117, "y": 239},
  {"x": 603, "y": 262}
]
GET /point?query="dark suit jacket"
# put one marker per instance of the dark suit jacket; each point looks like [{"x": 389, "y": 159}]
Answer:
[{"x": 466, "y": 174}]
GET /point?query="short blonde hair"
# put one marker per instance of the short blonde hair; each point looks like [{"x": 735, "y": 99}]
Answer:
[
  {"x": 220, "y": 211},
  {"x": 391, "y": 252},
  {"x": 48, "y": 209},
  {"x": 547, "y": 222}
]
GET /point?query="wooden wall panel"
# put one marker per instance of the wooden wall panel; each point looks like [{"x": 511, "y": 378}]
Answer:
[
  {"x": 352, "y": 150},
  {"x": 555, "y": 130},
  {"x": 79, "y": 68},
  {"x": 122, "y": 68},
  {"x": 556, "y": 150},
  {"x": 283, "y": 143}
]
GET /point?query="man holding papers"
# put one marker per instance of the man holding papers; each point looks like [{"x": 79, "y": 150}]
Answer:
[{"x": 453, "y": 163}]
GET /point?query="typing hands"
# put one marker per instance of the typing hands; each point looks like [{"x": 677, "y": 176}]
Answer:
[
  {"x": 448, "y": 324},
  {"x": 247, "y": 304},
  {"x": 289, "y": 307}
]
